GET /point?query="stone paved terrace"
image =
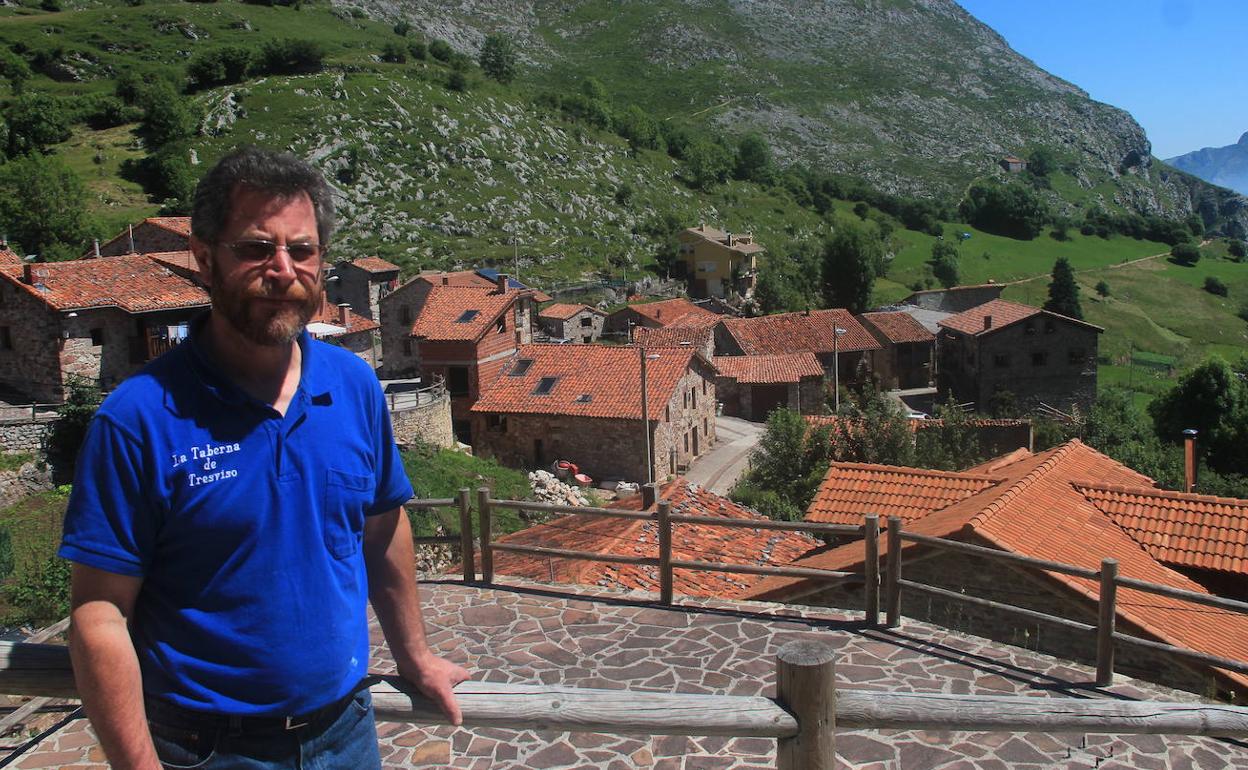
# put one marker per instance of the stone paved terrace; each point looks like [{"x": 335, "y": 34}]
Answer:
[{"x": 530, "y": 633}]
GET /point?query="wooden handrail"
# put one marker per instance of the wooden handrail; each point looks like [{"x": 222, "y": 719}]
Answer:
[
  {"x": 1179, "y": 593},
  {"x": 789, "y": 526}
]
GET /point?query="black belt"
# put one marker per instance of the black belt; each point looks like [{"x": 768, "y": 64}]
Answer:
[{"x": 170, "y": 715}]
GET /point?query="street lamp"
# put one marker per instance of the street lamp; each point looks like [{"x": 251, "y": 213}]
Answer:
[
  {"x": 645, "y": 412},
  {"x": 836, "y": 368}
]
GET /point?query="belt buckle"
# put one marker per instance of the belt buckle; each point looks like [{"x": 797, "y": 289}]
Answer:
[{"x": 292, "y": 723}]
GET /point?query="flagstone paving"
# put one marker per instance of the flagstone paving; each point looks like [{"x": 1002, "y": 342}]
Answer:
[{"x": 529, "y": 633}]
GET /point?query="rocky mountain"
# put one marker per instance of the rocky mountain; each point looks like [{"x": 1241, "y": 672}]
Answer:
[
  {"x": 1224, "y": 166},
  {"x": 916, "y": 96}
]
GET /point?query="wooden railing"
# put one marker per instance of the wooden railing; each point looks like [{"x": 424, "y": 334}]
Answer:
[
  {"x": 888, "y": 582},
  {"x": 803, "y": 717}
]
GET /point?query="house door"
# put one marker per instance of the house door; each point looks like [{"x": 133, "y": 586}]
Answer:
[
  {"x": 539, "y": 453},
  {"x": 765, "y": 398},
  {"x": 696, "y": 442}
]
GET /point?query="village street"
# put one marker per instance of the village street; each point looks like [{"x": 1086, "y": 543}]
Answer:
[{"x": 719, "y": 469}]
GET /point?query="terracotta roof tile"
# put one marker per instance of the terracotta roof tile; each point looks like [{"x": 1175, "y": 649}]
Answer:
[
  {"x": 179, "y": 225},
  {"x": 375, "y": 265},
  {"x": 179, "y": 260},
  {"x": 589, "y": 381},
  {"x": 564, "y": 311},
  {"x": 331, "y": 314},
  {"x": 721, "y": 237},
  {"x": 850, "y": 491},
  {"x": 1177, "y": 528},
  {"x": 1038, "y": 509},
  {"x": 448, "y": 312},
  {"x": 134, "y": 283},
  {"x": 8, "y": 257},
  {"x": 457, "y": 278},
  {"x": 674, "y": 336},
  {"x": 763, "y": 370},
  {"x": 631, "y": 537},
  {"x": 898, "y": 327},
  {"x": 668, "y": 311},
  {"x": 800, "y": 332},
  {"x": 1003, "y": 313}
]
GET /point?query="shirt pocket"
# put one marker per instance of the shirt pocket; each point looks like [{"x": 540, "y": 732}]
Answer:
[{"x": 347, "y": 495}]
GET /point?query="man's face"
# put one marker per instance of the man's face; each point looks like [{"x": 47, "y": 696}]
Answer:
[{"x": 267, "y": 300}]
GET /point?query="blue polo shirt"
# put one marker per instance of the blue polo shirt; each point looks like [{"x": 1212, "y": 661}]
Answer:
[{"x": 245, "y": 525}]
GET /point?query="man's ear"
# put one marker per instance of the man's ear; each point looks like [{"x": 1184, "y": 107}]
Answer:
[{"x": 203, "y": 258}]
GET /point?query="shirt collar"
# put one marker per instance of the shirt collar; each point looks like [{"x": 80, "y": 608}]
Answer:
[{"x": 314, "y": 377}]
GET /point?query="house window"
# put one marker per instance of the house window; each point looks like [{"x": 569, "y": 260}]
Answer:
[
  {"x": 1039, "y": 358},
  {"x": 496, "y": 422},
  {"x": 406, "y": 314},
  {"x": 501, "y": 326},
  {"x": 97, "y": 336},
  {"x": 584, "y": 398},
  {"x": 6, "y": 338},
  {"x": 521, "y": 367},
  {"x": 467, "y": 316},
  {"x": 704, "y": 427},
  {"x": 1075, "y": 356},
  {"x": 457, "y": 380},
  {"x": 1001, "y": 360},
  {"x": 667, "y": 413},
  {"x": 685, "y": 401},
  {"x": 545, "y": 385},
  {"x": 586, "y": 322},
  {"x": 693, "y": 397},
  {"x": 686, "y": 443}
]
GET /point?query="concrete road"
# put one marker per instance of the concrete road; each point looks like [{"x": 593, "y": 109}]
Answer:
[{"x": 719, "y": 469}]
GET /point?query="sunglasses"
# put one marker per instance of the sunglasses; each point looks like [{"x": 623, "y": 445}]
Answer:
[{"x": 263, "y": 251}]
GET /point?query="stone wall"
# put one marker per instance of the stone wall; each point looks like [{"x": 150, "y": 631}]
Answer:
[
  {"x": 24, "y": 435},
  {"x": 429, "y": 421},
  {"x": 602, "y": 448},
  {"x": 30, "y": 479},
  {"x": 147, "y": 238}
]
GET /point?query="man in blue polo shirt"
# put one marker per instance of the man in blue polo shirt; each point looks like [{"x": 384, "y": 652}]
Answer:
[{"x": 236, "y": 504}]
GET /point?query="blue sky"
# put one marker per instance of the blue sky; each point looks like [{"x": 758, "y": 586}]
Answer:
[{"x": 1180, "y": 67}]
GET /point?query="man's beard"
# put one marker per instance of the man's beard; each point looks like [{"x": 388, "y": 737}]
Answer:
[{"x": 264, "y": 323}]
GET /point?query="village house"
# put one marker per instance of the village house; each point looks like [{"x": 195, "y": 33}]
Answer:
[
  {"x": 955, "y": 299},
  {"x": 1071, "y": 505},
  {"x": 655, "y": 315},
  {"x": 574, "y": 322},
  {"x": 361, "y": 283},
  {"x": 1013, "y": 164},
  {"x": 96, "y": 320},
  {"x": 717, "y": 263},
  {"x": 837, "y": 339},
  {"x": 340, "y": 325},
  {"x": 462, "y": 334},
  {"x": 583, "y": 403},
  {"x": 639, "y": 538},
  {"x": 750, "y": 387},
  {"x": 150, "y": 235},
  {"x": 1002, "y": 349},
  {"x": 694, "y": 332},
  {"x": 904, "y": 359}
]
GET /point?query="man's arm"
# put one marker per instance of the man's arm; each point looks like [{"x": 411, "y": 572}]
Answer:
[
  {"x": 392, "y": 589},
  {"x": 106, "y": 668}
]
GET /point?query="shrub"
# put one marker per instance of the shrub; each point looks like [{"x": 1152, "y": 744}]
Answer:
[
  {"x": 219, "y": 67},
  {"x": 1012, "y": 210},
  {"x": 402, "y": 28},
  {"x": 1102, "y": 288},
  {"x": 441, "y": 50},
  {"x": 394, "y": 51},
  {"x": 1243, "y": 312},
  {"x": 1215, "y": 286},
  {"x": 1185, "y": 253},
  {"x": 290, "y": 56},
  {"x": 1237, "y": 249},
  {"x": 457, "y": 81},
  {"x": 418, "y": 50},
  {"x": 167, "y": 117},
  {"x": 36, "y": 121},
  {"x": 68, "y": 432},
  {"x": 498, "y": 58},
  {"x": 41, "y": 594}
]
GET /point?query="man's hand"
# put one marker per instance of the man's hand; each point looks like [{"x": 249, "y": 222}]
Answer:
[{"x": 435, "y": 677}]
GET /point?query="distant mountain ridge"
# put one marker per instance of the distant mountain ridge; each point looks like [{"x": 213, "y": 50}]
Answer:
[{"x": 1225, "y": 166}]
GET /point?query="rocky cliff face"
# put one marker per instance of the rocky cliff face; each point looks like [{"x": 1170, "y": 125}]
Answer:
[
  {"x": 1224, "y": 166},
  {"x": 914, "y": 95}
]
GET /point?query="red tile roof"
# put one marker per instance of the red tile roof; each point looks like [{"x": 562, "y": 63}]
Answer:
[
  {"x": 1178, "y": 528},
  {"x": 610, "y": 375},
  {"x": 179, "y": 225},
  {"x": 1038, "y": 509},
  {"x": 849, "y": 491},
  {"x": 764, "y": 370},
  {"x": 898, "y": 327},
  {"x": 668, "y": 311},
  {"x": 133, "y": 282},
  {"x": 1003, "y": 313},
  {"x": 563, "y": 311},
  {"x": 800, "y": 332},
  {"x": 375, "y": 265},
  {"x": 330, "y": 313},
  {"x": 439, "y": 317},
  {"x": 457, "y": 278},
  {"x": 674, "y": 336},
  {"x": 723, "y": 239},
  {"x": 633, "y": 537},
  {"x": 179, "y": 260},
  {"x": 8, "y": 257}
]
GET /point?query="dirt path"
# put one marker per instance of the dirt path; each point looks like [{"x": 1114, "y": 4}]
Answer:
[{"x": 1116, "y": 266}]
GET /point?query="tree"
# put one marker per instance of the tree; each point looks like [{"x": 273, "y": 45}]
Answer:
[
  {"x": 219, "y": 67},
  {"x": 1213, "y": 399},
  {"x": 441, "y": 50},
  {"x": 944, "y": 264},
  {"x": 1102, "y": 288},
  {"x": 1118, "y": 428},
  {"x": 707, "y": 163},
  {"x": 753, "y": 162},
  {"x": 1012, "y": 210},
  {"x": 1185, "y": 253},
  {"x": 950, "y": 442},
  {"x": 394, "y": 51},
  {"x": 875, "y": 430},
  {"x": 43, "y": 205},
  {"x": 785, "y": 467},
  {"x": 851, "y": 259},
  {"x": 639, "y": 128},
  {"x": 1063, "y": 291},
  {"x": 498, "y": 58},
  {"x": 69, "y": 431},
  {"x": 291, "y": 56},
  {"x": 167, "y": 116},
  {"x": 457, "y": 81},
  {"x": 1214, "y": 285},
  {"x": 1041, "y": 161},
  {"x": 402, "y": 28},
  {"x": 36, "y": 121},
  {"x": 15, "y": 69},
  {"x": 1236, "y": 249}
]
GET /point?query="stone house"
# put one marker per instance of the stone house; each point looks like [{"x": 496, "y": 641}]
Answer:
[
  {"x": 750, "y": 387},
  {"x": 904, "y": 359},
  {"x": 361, "y": 283},
  {"x": 717, "y": 263},
  {"x": 583, "y": 403},
  {"x": 1013, "y": 165},
  {"x": 655, "y": 315},
  {"x": 956, "y": 299},
  {"x": 575, "y": 322},
  {"x": 151, "y": 235},
  {"x": 842, "y": 345},
  {"x": 1065, "y": 505},
  {"x": 464, "y": 334},
  {"x": 1038, "y": 356},
  {"x": 695, "y": 334},
  {"x": 342, "y": 326},
  {"x": 99, "y": 320},
  {"x": 639, "y": 537}
]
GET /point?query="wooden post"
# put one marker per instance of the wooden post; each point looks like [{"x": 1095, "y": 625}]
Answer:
[
  {"x": 487, "y": 556},
  {"x": 1105, "y": 628},
  {"x": 806, "y": 687},
  {"x": 892, "y": 586},
  {"x": 665, "y": 551},
  {"x": 465, "y": 537},
  {"x": 871, "y": 565}
]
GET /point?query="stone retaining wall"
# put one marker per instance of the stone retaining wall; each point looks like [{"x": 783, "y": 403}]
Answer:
[
  {"x": 24, "y": 435},
  {"x": 429, "y": 422},
  {"x": 30, "y": 479}
]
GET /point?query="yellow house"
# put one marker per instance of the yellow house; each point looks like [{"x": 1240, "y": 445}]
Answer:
[{"x": 717, "y": 262}]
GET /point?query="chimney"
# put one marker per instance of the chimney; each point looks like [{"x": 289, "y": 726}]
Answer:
[
  {"x": 342, "y": 314},
  {"x": 987, "y": 322},
  {"x": 1189, "y": 460},
  {"x": 28, "y": 274},
  {"x": 649, "y": 496},
  {"x": 130, "y": 229},
  {"x": 501, "y": 283},
  {"x": 97, "y": 248},
  {"x": 446, "y": 280}
]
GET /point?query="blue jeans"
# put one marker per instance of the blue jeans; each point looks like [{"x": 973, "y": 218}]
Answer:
[{"x": 346, "y": 741}]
